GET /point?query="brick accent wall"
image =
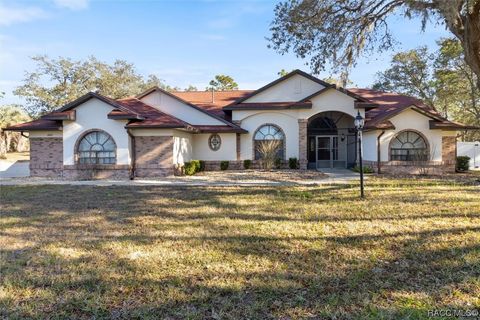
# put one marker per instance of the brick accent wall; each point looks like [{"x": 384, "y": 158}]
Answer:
[
  {"x": 239, "y": 140},
  {"x": 449, "y": 153},
  {"x": 154, "y": 156},
  {"x": 46, "y": 157},
  {"x": 96, "y": 171},
  {"x": 302, "y": 146}
]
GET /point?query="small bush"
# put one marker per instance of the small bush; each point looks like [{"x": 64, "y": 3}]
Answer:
[
  {"x": 224, "y": 165},
  {"x": 366, "y": 169},
  {"x": 202, "y": 165},
  {"x": 247, "y": 164},
  {"x": 197, "y": 165},
  {"x": 463, "y": 163},
  {"x": 278, "y": 163},
  {"x": 189, "y": 168},
  {"x": 293, "y": 163}
]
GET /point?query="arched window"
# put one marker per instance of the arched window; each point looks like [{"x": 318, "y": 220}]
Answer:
[
  {"x": 409, "y": 146},
  {"x": 269, "y": 132},
  {"x": 96, "y": 147}
]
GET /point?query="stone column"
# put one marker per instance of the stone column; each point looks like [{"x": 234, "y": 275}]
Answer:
[
  {"x": 239, "y": 137},
  {"x": 449, "y": 153},
  {"x": 302, "y": 143}
]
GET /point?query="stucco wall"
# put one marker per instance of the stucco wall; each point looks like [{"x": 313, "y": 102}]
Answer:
[
  {"x": 369, "y": 145},
  {"x": 180, "y": 110},
  {"x": 406, "y": 120},
  {"x": 93, "y": 115},
  {"x": 331, "y": 100},
  {"x": 227, "y": 151},
  {"x": 292, "y": 89},
  {"x": 411, "y": 119},
  {"x": 285, "y": 120},
  {"x": 182, "y": 147}
]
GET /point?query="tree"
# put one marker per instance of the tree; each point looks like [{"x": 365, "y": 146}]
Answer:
[
  {"x": 283, "y": 73},
  {"x": 339, "y": 31},
  {"x": 10, "y": 115},
  {"x": 191, "y": 88},
  {"x": 456, "y": 90},
  {"x": 443, "y": 80},
  {"x": 56, "y": 82},
  {"x": 338, "y": 82},
  {"x": 222, "y": 83},
  {"x": 411, "y": 73}
]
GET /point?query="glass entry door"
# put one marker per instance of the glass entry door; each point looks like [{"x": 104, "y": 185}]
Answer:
[
  {"x": 324, "y": 152},
  {"x": 327, "y": 154}
]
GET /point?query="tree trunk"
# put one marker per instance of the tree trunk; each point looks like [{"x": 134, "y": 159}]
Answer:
[{"x": 3, "y": 145}]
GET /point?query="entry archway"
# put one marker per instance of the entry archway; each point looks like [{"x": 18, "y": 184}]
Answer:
[{"x": 331, "y": 140}]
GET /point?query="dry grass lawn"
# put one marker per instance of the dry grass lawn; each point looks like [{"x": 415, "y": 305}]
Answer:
[{"x": 231, "y": 253}]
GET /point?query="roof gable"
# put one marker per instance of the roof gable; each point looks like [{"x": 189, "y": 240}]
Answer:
[
  {"x": 303, "y": 88},
  {"x": 214, "y": 117}
]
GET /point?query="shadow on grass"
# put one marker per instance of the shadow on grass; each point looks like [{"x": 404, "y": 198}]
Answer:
[{"x": 312, "y": 275}]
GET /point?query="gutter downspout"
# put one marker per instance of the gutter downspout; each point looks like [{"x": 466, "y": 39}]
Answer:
[
  {"x": 133, "y": 154},
  {"x": 379, "y": 166},
  {"x": 23, "y": 135}
]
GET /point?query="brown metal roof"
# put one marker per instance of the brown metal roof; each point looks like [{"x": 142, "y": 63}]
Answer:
[
  {"x": 36, "y": 125},
  {"x": 270, "y": 105}
]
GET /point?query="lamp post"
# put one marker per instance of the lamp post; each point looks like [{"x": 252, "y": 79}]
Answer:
[{"x": 359, "y": 123}]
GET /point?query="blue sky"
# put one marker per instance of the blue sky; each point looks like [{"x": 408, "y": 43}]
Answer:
[{"x": 182, "y": 42}]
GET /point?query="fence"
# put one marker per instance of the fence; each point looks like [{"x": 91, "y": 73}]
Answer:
[{"x": 472, "y": 150}]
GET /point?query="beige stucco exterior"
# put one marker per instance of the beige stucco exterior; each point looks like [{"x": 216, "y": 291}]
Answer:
[{"x": 179, "y": 145}]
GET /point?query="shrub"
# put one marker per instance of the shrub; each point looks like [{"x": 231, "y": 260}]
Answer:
[
  {"x": 293, "y": 163},
  {"x": 202, "y": 165},
  {"x": 197, "y": 165},
  {"x": 268, "y": 150},
  {"x": 189, "y": 168},
  {"x": 224, "y": 165},
  {"x": 247, "y": 164},
  {"x": 366, "y": 169},
  {"x": 278, "y": 163},
  {"x": 463, "y": 163}
]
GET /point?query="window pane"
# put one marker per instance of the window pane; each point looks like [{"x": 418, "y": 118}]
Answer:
[
  {"x": 409, "y": 146},
  {"x": 96, "y": 147}
]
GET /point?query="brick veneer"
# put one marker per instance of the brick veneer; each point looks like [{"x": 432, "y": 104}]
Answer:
[
  {"x": 46, "y": 157},
  {"x": 302, "y": 143},
  {"x": 238, "y": 140},
  {"x": 154, "y": 156},
  {"x": 96, "y": 171},
  {"x": 449, "y": 152}
]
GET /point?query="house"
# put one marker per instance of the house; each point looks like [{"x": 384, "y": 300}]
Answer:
[{"x": 156, "y": 132}]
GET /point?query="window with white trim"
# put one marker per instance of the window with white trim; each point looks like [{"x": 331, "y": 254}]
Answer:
[{"x": 97, "y": 147}]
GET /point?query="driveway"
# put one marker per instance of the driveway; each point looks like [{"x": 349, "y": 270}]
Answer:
[
  {"x": 14, "y": 169},
  {"x": 215, "y": 178}
]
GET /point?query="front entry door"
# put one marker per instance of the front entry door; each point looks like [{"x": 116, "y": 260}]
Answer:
[
  {"x": 327, "y": 152},
  {"x": 324, "y": 154}
]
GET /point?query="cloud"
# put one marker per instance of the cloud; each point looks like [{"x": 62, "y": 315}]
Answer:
[
  {"x": 12, "y": 15},
  {"x": 72, "y": 4}
]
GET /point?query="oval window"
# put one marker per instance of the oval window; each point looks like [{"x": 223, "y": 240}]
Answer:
[{"x": 214, "y": 142}]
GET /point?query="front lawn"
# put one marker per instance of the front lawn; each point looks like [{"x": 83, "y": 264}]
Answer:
[{"x": 222, "y": 253}]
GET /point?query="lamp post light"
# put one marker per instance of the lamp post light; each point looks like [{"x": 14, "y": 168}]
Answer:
[{"x": 359, "y": 123}]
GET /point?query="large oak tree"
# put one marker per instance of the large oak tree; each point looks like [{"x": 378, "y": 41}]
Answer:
[
  {"x": 339, "y": 31},
  {"x": 56, "y": 82}
]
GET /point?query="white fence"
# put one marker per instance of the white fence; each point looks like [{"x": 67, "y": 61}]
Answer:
[{"x": 472, "y": 150}]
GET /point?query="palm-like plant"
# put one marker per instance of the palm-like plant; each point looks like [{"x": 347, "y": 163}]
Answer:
[{"x": 268, "y": 150}]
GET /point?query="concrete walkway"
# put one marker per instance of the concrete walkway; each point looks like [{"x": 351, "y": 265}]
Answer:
[
  {"x": 14, "y": 169},
  {"x": 218, "y": 178}
]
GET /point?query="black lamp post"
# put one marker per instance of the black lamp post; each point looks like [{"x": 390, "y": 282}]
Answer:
[{"x": 359, "y": 123}]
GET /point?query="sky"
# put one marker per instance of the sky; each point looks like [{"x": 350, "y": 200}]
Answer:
[{"x": 181, "y": 42}]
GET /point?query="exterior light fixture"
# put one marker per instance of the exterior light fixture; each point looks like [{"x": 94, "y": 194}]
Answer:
[{"x": 359, "y": 124}]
